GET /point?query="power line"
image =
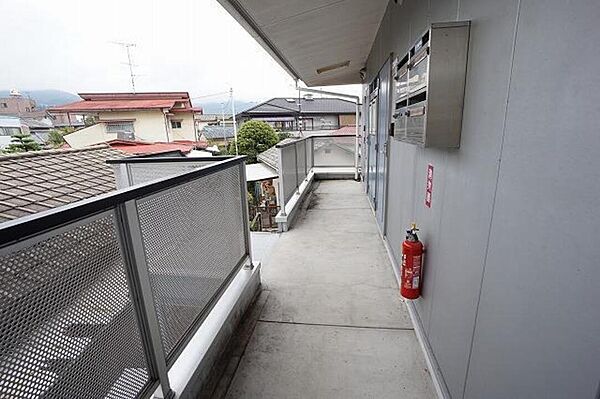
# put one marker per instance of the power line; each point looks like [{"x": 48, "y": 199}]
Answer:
[{"x": 211, "y": 95}]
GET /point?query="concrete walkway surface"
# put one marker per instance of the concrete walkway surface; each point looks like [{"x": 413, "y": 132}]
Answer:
[{"x": 333, "y": 325}]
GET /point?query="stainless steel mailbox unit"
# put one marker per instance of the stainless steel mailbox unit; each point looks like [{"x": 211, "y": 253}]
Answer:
[{"x": 430, "y": 85}]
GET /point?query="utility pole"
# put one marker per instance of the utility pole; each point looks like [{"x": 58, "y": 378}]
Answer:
[
  {"x": 129, "y": 62},
  {"x": 223, "y": 123},
  {"x": 234, "y": 123}
]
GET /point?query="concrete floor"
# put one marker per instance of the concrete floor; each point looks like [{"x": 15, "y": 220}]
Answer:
[
  {"x": 333, "y": 325},
  {"x": 262, "y": 245}
]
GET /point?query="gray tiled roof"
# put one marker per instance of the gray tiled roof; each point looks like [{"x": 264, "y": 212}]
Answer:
[
  {"x": 315, "y": 106},
  {"x": 32, "y": 182},
  {"x": 271, "y": 156},
  {"x": 217, "y": 132}
]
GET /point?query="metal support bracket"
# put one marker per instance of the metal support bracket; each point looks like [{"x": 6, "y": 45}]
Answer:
[{"x": 132, "y": 248}]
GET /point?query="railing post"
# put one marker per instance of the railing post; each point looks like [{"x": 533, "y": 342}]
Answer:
[
  {"x": 138, "y": 278},
  {"x": 296, "y": 167},
  {"x": 356, "y": 142},
  {"x": 245, "y": 213},
  {"x": 305, "y": 159},
  {"x": 281, "y": 185},
  {"x": 129, "y": 174},
  {"x": 312, "y": 152}
]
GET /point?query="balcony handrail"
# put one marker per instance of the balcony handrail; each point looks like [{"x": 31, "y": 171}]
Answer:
[
  {"x": 137, "y": 159},
  {"x": 283, "y": 145},
  {"x": 13, "y": 231},
  {"x": 61, "y": 262}
]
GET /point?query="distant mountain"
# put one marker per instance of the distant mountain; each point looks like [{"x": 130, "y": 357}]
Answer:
[
  {"x": 46, "y": 98},
  {"x": 216, "y": 107}
]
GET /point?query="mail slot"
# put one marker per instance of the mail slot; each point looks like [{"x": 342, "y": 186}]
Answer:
[
  {"x": 418, "y": 69},
  {"x": 415, "y": 123},
  {"x": 400, "y": 116},
  {"x": 429, "y": 87},
  {"x": 402, "y": 84}
]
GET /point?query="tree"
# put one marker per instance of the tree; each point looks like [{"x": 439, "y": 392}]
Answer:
[
  {"x": 89, "y": 120},
  {"x": 283, "y": 135},
  {"x": 22, "y": 142},
  {"x": 254, "y": 137},
  {"x": 56, "y": 136}
]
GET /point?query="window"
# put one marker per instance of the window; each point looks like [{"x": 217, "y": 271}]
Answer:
[
  {"x": 124, "y": 130},
  {"x": 4, "y": 105},
  {"x": 176, "y": 124}
]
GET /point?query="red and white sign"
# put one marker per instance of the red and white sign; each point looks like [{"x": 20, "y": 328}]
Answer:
[{"x": 429, "y": 186}]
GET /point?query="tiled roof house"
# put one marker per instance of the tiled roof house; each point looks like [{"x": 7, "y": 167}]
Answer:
[
  {"x": 32, "y": 182},
  {"x": 310, "y": 113}
]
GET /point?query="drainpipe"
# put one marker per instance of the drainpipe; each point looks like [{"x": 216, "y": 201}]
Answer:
[
  {"x": 165, "y": 111},
  {"x": 356, "y": 100}
]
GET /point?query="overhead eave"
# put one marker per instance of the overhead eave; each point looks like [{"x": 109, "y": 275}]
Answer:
[
  {"x": 234, "y": 8},
  {"x": 321, "y": 42}
]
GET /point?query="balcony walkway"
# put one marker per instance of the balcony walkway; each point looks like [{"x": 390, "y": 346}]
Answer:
[{"x": 333, "y": 325}]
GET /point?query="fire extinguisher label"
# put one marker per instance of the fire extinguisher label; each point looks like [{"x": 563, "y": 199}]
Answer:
[{"x": 416, "y": 271}]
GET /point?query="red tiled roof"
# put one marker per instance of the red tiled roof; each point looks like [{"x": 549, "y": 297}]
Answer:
[
  {"x": 106, "y": 105},
  {"x": 139, "y": 147},
  {"x": 127, "y": 101},
  {"x": 165, "y": 95},
  {"x": 193, "y": 109}
]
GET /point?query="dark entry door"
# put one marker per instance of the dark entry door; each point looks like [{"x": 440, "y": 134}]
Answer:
[
  {"x": 372, "y": 148},
  {"x": 383, "y": 118}
]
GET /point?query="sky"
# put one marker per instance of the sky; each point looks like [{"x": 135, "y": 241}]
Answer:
[{"x": 188, "y": 45}]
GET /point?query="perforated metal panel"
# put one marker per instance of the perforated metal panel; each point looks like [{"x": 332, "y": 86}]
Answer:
[
  {"x": 334, "y": 151},
  {"x": 68, "y": 329},
  {"x": 309, "y": 153},
  {"x": 194, "y": 237},
  {"x": 289, "y": 171},
  {"x": 147, "y": 171},
  {"x": 301, "y": 152}
]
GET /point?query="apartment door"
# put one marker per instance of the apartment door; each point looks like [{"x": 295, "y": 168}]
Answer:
[
  {"x": 372, "y": 150},
  {"x": 383, "y": 118}
]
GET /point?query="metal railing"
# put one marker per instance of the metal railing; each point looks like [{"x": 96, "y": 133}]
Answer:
[
  {"x": 99, "y": 297},
  {"x": 297, "y": 158},
  {"x": 136, "y": 170}
]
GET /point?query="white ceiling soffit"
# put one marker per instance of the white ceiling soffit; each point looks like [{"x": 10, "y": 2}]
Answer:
[{"x": 309, "y": 35}]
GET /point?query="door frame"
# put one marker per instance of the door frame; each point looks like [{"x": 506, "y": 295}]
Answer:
[
  {"x": 371, "y": 139},
  {"x": 381, "y": 212}
]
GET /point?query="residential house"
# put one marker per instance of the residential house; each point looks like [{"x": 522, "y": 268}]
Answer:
[
  {"x": 33, "y": 120},
  {"x": 182, "y": 147},
  {"x": 219, "y": 135},
  {"x": 151, "y": 117},
  {"x": 32, "y": 182},
  {"x": 16, "y": 104},
  {"x": 9, "y": 126},
  {"x": 203, "y": 120},
  {"x": 307, "y": 113}
]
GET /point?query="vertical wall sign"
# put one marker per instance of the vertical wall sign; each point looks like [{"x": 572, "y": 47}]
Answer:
[{"x": 429, "y": 186}]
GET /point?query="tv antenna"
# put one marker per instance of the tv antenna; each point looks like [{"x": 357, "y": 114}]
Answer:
[{"x": 129, "y": 62}]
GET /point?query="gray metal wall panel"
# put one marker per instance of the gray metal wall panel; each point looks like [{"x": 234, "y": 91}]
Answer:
[
  {"x": 538, "y": 326},
  {"x": 470, "y": 175},
  {"x": 455, "y": 228}
]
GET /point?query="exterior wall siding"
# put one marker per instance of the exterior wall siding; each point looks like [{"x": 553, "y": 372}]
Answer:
[
  {"x": 187, "y": 130},
  {"x": 497, "y": 252},
  {"x": 148, "y": 125}
]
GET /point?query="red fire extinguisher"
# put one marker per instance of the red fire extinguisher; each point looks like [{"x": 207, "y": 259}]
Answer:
[{"x": 412, "y": 263}]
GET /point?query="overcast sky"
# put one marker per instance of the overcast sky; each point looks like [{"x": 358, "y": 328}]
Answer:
[{"x": 190, "y": 45}]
